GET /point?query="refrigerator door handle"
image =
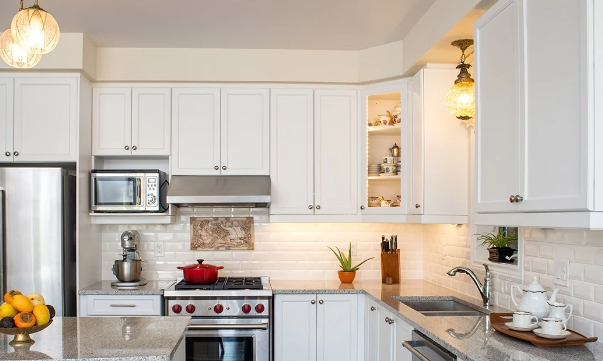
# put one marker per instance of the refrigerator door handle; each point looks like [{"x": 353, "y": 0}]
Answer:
[{"x": 3, "y": 287}]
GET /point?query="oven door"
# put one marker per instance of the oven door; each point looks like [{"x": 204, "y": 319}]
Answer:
[
  {"x": 115, "y": 192},
  {"x": 228, "y": 340}
]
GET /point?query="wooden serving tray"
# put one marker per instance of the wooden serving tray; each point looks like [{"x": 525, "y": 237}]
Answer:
[{"x": 498, "y": 321}]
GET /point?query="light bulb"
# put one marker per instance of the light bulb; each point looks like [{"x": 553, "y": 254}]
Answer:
[{"x": 14, "y": 55}]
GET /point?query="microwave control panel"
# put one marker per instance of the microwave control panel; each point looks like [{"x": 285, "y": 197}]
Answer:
[{"x": 152, "y": 190}]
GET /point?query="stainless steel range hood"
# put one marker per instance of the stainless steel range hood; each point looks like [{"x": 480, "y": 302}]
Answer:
[{"x": 219, "y": 191}]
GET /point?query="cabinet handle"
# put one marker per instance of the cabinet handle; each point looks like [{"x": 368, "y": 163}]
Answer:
[
  {"x": 216, "y": 167},
  {"x": 133, "y": 147},
  {"x": 373, "y": 308},
  {"x": 7, "y": 154},
  {"x": 417, "y": 205},
  {"x": 318, "y": 207},
  {"x": 361, "y": 207},
  {"x": 321, "y": 302},
  {"x": 127, "y": 148},
  {"x": 518, "y": 198},
  {"x": 512, "y": 199},
  {"x": 16, "y": 154},
  {"x": 310, "y": 206},
  {"x": 313, "y": 301},
  {"x": 223, "y": 167},
  {"x": 123, "y": 305}
]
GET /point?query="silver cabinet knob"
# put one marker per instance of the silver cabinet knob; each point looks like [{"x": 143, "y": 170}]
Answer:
[
  {"x": 133, "y": 147},
  {"x": 361, "y": 207},
  {"x": 318, "y": 207},
  {"x": 321, "y": 302},
  {"x": 387, "y": 319},
  {"x": 313, "y": 301},
  {"x": 373, "y": 308},
  {"x": 417, "y": 205},
  {"x": 16, "y": 154},
  {"x": 7, "y": 154},
  {"x": 223, "y": 167},
  {"x": 310, "y": 206},
  {"x": 512, "y": 199},
  {"x": 216, "y": 167},
  {"x": 518, "y": 198},
  {"x": 127, "y": 148},
  {"x": 391, "y": 321}
]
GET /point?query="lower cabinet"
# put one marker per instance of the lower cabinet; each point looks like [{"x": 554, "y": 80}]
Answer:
[
  {"x": 321, "y": 327},
  {"x": 384, "y": 335},
  {"x": 120, "y": 305}
]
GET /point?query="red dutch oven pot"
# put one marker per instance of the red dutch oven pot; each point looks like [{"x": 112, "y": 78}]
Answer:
[{"x": 200, "y": 274}]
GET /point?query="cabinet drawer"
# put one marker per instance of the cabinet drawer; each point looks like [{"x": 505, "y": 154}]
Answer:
[{"x": 112, "y": 305}]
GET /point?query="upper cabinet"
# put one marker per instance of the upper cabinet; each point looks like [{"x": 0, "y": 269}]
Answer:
[
  {"x": 220, "y": 131},
  {"x": 39, "y": 119},
  {"x": 536, "y": 144},
  {"x": 313, "y": 153},
  {"x": 438, "y": 145},
  {"x": 131, "y": 121}
]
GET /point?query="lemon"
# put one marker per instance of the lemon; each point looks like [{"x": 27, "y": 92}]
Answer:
[
  {"x": 42, "y": 314},
  {"x": 6, "y": 310}
]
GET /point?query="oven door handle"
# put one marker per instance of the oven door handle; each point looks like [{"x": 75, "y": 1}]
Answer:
[
  {"x": 409, "y": 345},
  {"x": 232, "y": 326}
]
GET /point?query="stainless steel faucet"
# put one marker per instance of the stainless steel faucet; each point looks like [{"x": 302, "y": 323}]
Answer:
[{"x": 485, "y": 290}]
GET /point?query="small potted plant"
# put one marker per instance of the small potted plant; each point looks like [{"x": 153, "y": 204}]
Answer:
[
  {"x": 499, "y": 245},
  {"x": 348, "y": 272}
]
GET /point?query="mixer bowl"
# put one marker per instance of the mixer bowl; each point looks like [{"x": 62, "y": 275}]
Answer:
[{"x": 128, "y": 270}]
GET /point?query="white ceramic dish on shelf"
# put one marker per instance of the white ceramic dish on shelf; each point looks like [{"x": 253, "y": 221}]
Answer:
[{"x": 387, "y": 174}]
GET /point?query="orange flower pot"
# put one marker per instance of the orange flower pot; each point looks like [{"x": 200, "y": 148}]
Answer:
[{"x": 346, "y": 277}]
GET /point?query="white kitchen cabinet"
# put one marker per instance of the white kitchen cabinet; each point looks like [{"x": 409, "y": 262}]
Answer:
[
  {"x": 120, "y": 305},
  {"x": 131, "y": 121},
  {"x": 535, "y": 144},
  {"x": 384, "y": 334},
  {"x": 439, "y": 148},
  {"x": 402, "y": 332},
  {"x": 314, "y": 152},
  {"x": 315, "y": 327},
  {"x": 39, "y": 117},
  {"x": 220, "y": 131}
]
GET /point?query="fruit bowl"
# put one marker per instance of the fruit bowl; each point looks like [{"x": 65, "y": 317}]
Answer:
[{"x": 22, "y": 334}]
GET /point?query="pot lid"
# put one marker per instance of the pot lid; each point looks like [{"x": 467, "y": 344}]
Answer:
[
  {"x": 534, "y": 286},
  {"x": 199, "y": 265}
]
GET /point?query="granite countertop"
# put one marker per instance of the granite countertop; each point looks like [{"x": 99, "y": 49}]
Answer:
[
  {"x": 106, "y": 338},
  {"x": 105, "y": 288},
  {"x": 470, "y": 338}
]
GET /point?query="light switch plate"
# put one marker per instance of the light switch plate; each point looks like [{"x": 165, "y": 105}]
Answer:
[
  {"x": 159, "y": 249},
  {"x": 354, "y": 248},
  {"x": 561, "y": 273}
]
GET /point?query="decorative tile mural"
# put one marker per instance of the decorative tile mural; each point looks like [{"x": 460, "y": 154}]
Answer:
[{"x": 221, "y": 233}]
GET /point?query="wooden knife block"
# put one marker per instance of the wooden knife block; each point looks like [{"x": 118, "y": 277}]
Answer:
[{"x": 390, "y": 266}]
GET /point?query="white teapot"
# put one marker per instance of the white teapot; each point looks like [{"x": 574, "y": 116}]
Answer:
[{"x": 534, "y": 299}]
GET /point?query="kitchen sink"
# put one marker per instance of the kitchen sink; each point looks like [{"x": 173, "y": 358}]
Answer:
[{"x": 442, "y": 308}]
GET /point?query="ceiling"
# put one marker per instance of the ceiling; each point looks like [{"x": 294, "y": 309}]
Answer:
[{"x": 248, "y": 24}]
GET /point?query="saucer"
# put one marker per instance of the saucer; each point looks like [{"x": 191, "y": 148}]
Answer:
[
  {"x": 516, "y": 328},
  {"x": 387, "y": 174},
  {"x": 559, "y": 336}
]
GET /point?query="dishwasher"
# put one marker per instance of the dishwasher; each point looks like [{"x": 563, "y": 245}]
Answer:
[{"x": 424, "y": 349}]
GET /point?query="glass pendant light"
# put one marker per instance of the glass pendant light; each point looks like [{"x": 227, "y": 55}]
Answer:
[
  {"x": 460, "y": 99},
  {"x": 14, "y": 55},
  {"x": 35, "y": 30}
]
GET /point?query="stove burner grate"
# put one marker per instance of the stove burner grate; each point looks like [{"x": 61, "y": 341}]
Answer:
[{"x": 225, "y": 283}]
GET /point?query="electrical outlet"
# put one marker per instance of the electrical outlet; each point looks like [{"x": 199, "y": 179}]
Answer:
[
  {"x": 354, "y": 248},
  {"x": 561, "y": 273},
  {"x": 159, "y": 249}
]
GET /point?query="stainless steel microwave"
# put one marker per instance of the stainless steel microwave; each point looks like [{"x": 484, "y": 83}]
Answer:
[{"x": 129, "y": 191}]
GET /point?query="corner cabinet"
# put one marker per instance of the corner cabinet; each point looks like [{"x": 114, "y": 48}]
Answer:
[
  {"x": 536, "y": 148},
  {"x": 39, "y": 119},
  {"x": 313, "y": 153},
  {"x": 131, "y": 121},
  {"x": 310, "y": 327},
  {"x": 220, "y": 131}
]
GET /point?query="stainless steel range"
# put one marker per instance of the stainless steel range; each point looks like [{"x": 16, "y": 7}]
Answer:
[{"x": 230, "y": 318}]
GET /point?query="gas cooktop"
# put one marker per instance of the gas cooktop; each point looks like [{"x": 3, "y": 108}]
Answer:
[
  {"x": 223, "y": 287},
  {"x": 225, "y": 283}
]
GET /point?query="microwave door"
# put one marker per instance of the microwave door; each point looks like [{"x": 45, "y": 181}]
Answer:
[{"x": 117, "y": 193}]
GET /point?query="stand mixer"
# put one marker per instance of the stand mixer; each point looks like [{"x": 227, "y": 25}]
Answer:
[{"x": 127, "y": 270}]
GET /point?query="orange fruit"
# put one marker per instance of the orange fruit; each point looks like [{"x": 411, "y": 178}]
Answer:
[
  {"x": 8, "y": 296},
  {"x": 22, "y": 303},
  {"x": 25, "y": 319}
]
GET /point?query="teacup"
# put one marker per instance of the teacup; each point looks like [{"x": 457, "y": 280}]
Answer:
[
  {"x": 388, "y": 160},
  {"x": 552, "y": 325},
  {"x": 374, "y": 202},
  {"x": 386, "y": 203},
  {"x": 524, "y": 319},
  {"x": 388, "y": 168}
]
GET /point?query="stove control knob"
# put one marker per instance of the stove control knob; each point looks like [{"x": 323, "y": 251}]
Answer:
[
  {"x": 177, "y": 308},
  {"x": 246, "y": 308},
  {"x": 190, "y": 308},
  {"x": 218, "y": 308},
  {"x": 259, "y": 308}
]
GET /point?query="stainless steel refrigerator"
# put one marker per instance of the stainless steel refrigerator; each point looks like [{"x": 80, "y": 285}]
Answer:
[{"x": 37, "y": 224}]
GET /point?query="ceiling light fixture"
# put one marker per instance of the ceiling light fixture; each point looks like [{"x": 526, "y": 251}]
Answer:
[
  {"x": 460, "y": 99},
  {"x": 35, "y": 30},
  {"x": 14, "y": 55}
]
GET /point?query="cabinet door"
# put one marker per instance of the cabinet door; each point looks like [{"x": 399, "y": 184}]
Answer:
[
  {"x": 415, "y": 111},
  {"x": 6, "y": 119},
  {"x": 371, "y": 351},
  {"x": 245, "y": 132},
  {"x": 292, "y": 151},
  {"x": 555, "y": 157},
  {"x": 337, "y": 327},
  {"x": 111, "y": 121},
  {"x": 386, "y": 336},
  {"x": 195, "y": 131},
  {"x": 497, "y": 85},
  {"x": 402, "y": 332},
  {"x": 336, "y": 151},
  {"x": 295, "y": 328},
  {"x": 45, "y": 119},
  {"x": 151, "y": 115}
]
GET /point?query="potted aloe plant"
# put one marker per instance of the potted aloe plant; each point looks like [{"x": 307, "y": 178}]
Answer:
[
  {"x": 498, "y": 245},
  {"x": 348, "y": 272}
]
